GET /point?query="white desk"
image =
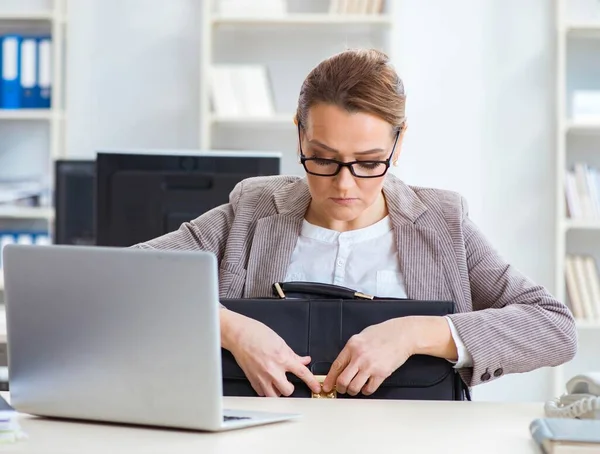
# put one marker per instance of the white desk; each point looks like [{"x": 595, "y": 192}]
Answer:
[{"x": 327, "y": 426}]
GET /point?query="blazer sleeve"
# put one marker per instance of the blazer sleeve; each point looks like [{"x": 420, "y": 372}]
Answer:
[
  {"x": 516, "y": 326},
  {"x": 208, "y": 232}
]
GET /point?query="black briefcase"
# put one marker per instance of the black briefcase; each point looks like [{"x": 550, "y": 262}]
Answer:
[{"x": 319, "y": 319}]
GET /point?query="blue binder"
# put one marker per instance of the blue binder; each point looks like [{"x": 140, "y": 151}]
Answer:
[
  {"x": 1, "y": 103},
  {"x": 44, "y": 76},
  {"x": 11, "y": 65},
  {"x": 30, "y": 90}
]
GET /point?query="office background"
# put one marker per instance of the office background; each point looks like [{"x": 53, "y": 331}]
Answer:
[{"x": 481, "y": 82}]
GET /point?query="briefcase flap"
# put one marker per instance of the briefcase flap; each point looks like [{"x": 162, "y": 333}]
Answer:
[{"x": 321, "y": 328}]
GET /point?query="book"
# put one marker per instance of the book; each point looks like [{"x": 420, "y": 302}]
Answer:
[
  {"x": 242, "y": 90},
  {"x": 566, "y": 435},
  {"x": 573, "y": 288}
]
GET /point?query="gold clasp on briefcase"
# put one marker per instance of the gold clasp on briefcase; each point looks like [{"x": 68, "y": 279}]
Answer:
[{"x": 323, "y": 395}]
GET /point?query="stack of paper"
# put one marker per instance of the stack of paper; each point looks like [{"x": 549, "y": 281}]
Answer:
[{"x": 10, "y": 431}]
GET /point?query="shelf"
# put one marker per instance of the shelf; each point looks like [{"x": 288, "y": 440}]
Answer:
[
  {"x": 305, "y": 19},
  {"x": 17, "y": 212},
  {"x": 26, "y": 114},
  {"x": 26, "y": 16},
  {"x": 588, "y": 324},
  {"x": 278, "y": 119},
  {"x": 583, "y": 127},
  {"x": 583, "y": 29},
  {"x": 581, "y": 224}
]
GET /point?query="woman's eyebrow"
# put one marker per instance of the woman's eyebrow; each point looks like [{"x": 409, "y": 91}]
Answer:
[{"x": 333, "y": 150}]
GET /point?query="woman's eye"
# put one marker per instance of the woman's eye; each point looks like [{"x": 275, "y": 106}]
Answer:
[
  {"x": 322, "y": 162},
  {"x": 369, "y": 165}
]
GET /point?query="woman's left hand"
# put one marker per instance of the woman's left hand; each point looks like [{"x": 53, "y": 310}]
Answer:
[{"x": 370, "y": 357}]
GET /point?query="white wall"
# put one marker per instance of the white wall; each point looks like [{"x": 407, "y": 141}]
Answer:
[
  {"x": 133, "y": 71},
  {"x": 138, "y": 86},
  {"x": 480, "y": 81},
  {"x": 479, "y": 77}
]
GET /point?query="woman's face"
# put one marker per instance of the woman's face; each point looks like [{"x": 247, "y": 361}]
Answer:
[{"x": 334, "y": 133}]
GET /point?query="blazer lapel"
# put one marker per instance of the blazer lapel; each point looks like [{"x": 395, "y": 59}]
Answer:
[
  {"x": 275, "y": 239},
  {"x": 421, "y": 263},
  {"x": 419, "y": 251}
]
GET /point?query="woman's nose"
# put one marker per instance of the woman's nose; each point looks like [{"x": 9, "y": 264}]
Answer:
[{"x": 345, "y": 178}]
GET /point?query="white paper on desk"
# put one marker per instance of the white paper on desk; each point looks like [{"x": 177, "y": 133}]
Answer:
[{"x": 10, "y": 430}]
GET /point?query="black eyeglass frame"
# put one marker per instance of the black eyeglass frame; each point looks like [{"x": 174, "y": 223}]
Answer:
[{"x": 340, "y": 164}]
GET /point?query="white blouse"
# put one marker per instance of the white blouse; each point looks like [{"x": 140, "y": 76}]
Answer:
[{"x": 364, "y": 259}]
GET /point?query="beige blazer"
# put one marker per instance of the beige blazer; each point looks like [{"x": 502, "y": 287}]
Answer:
[{"x": 507, "y": 323}]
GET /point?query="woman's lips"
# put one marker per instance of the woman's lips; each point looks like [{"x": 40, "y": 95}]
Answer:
[{"x": 343, "y": 201}]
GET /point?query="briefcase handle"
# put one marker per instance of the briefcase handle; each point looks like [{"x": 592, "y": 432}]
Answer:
[{"x": 301, "y": 289}]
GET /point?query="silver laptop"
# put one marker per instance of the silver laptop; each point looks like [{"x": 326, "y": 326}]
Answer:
[{"x": 118, "y": 335}]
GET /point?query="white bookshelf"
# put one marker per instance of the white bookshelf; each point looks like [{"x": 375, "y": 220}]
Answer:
[
  {"x": 583, "y": 325},
  {"x": 27, "y": 16},
  {"x": 582, "y": 127},
  {"x": 289, "y": 45},
  {"x": 27, "y": 114},
  {"x": 306, "y": 19},
  {"x": 577, "y": 224},
  {"x": 574, "y": 235},
  {"x": 54, "y": 22},
  {"x": 582, "y": 28},
  {"x": 17, "y": 212}
]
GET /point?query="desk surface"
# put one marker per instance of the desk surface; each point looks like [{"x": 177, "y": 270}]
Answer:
[{"x": 327, "y": 426}]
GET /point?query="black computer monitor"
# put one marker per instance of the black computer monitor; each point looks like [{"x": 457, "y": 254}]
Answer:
[
  {"x": 74, "y": 201},
  {"x": 140, "y": 196}
]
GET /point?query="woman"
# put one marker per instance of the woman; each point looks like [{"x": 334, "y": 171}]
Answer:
[{"x": 350, "y": 222}]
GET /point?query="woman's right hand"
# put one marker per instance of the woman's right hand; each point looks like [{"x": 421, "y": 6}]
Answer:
[{"x": 264, "y": 356}]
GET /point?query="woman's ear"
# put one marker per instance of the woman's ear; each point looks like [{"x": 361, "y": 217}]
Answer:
[
  {"x": 399, "y": 144},
  {"x": 404, "y": 128}
]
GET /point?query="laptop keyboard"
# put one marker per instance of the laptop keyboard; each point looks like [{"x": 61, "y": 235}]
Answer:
[{"x": 234, "y": 418}]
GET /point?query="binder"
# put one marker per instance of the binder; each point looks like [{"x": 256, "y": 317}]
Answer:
[
  {"x": 1, "y": 46},
  {"x": 5, "y": 238},
  {"x": 30, "y": 91},
  {"x": 44, "y": 76},
  {"x": 40, "y": 238},
  {"x": 11, "y": 85}
]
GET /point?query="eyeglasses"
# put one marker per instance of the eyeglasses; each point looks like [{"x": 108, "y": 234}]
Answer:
[{"x": 331, "y": 167}]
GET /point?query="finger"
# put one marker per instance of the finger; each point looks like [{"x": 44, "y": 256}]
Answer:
[
  {"x": 302, "y": 372},
  {"x": 344, "y": 379},
  {"x": 304, "y": 360},
  {"x": 283, "y": 386},
  {"x": 269, "y": 390},
  {"x": 336, "y": 369},
  {"x": 257, "y": 387},
  {"x": 372, "y": 385},
  {"x": 357, "y": 383}
]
